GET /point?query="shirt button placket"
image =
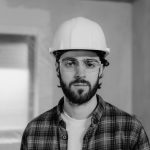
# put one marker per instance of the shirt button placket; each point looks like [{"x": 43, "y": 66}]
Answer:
[{"x": 64, "y": 137}]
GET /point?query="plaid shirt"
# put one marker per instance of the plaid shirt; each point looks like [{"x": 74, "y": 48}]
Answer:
[{"x": 110, "y": 129}]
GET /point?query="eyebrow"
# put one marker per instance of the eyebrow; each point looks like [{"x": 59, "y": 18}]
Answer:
[
  {"x": 69, "y": 58},
  {"x": 89, "y": 59},
  {"x": 74, "y": 59}
]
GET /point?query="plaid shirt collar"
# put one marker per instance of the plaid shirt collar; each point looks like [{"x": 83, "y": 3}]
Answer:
[{"x": 96, "y": 114}]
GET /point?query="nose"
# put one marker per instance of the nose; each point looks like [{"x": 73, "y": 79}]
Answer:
[{"x": 80, "y": 71}]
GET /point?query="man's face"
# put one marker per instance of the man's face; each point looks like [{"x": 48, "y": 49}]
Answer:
[{"x": 79, "y": 73}]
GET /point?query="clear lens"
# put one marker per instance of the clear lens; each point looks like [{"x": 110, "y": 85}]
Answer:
[{"x": 71, "y": 64}]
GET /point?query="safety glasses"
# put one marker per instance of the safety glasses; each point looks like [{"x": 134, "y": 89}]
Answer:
[{"x": 72, "y": 64}]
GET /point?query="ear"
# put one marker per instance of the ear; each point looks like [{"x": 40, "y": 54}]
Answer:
[
  {"x": 101, "y": 71},
  {"x": 57, "y": 68}
]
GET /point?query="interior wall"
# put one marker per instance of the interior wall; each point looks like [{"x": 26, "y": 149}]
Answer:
[
  {"x": 41, "y": 18},
  {"x": 141, "y": 62},
  {"x": 22, "y": 20},
  {"x": 115, "y": 19}
]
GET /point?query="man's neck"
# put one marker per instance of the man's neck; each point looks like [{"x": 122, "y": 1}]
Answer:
[{"x": 80, "y": 111}]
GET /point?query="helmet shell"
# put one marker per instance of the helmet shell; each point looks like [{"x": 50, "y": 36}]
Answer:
[{"x": 80, "y": 34}]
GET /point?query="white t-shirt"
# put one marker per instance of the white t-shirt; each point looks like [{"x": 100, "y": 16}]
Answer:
[{"x": 76, "y": 130}]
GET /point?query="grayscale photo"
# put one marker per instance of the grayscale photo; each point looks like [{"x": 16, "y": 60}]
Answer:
[{"x": 74, "y": 74}]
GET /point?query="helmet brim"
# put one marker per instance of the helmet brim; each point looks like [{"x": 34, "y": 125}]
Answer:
[{"x": 58, "y": 53}]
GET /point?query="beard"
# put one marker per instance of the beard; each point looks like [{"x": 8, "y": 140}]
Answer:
[{"x": 80, "y": 96}]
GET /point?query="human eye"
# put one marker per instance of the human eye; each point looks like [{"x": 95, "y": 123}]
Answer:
[
  {"x": 91, "y": 64},
  {"x": 69, "y": 63}
]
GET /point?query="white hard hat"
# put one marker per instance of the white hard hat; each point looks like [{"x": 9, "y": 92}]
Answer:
[{"x": 79, "y": 34}]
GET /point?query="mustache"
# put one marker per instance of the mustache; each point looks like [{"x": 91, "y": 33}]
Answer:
[{"x": 79, "y": 81}]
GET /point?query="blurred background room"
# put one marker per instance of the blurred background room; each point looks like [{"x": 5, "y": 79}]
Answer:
[{"x": 28, "y": 82}]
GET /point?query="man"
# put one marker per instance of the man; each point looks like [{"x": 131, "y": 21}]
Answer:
[{"x": 82, "y": 119}]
